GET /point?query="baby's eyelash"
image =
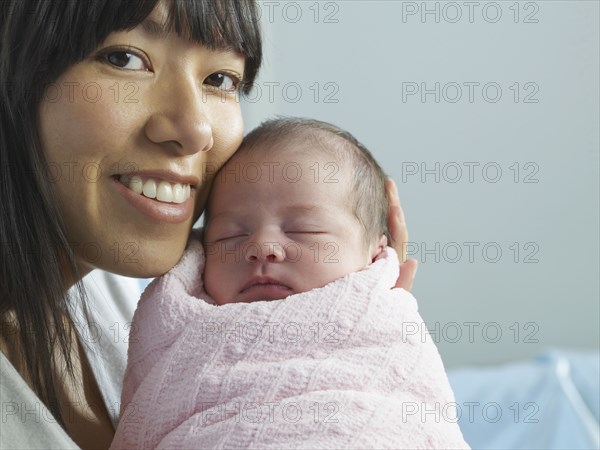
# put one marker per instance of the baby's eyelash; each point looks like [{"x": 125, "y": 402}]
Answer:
[
  {"x": 229, "y": 238},
  {"x": 305, "y": 232}
]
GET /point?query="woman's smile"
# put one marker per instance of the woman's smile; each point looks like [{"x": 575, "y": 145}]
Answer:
[
  {"x": 163, "y": 209},
  {"x": 162, "y": 191}
]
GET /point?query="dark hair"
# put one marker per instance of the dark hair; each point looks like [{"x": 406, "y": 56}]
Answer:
[
  {"x": 367, "y": 193},
  {"x": 39, "y": 40}
]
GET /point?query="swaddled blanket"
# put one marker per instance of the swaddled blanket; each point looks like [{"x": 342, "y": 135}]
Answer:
[{"x": 349, "y": 365}]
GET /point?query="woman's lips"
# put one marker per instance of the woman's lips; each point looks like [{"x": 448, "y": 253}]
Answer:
[{"x": 156, "y": 210}]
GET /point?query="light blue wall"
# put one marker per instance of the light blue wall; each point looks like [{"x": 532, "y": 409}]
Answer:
[{"x": 371, "y": 58}]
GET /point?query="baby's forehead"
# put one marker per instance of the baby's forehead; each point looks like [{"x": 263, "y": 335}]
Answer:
[
  {"x": 287, "y": 169},
  {"x": 300, "y": 160},
  {"x": 301, "y": 170},
  {"x": 300, "y": 146}
]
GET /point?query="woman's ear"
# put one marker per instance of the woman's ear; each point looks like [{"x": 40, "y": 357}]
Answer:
[{"x": 377, "y": 248}]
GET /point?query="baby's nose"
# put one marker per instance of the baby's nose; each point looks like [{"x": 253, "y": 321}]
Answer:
[{"x": 265, "y": 251}]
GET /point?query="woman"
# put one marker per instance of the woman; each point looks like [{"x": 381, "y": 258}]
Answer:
[{"x": 99, "y": 100}]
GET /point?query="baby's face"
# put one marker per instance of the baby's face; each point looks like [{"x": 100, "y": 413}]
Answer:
[{"x": 280, "y": 226}]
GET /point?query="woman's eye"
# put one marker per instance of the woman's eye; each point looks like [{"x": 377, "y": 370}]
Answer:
[
  {"x": 223, "y": 81},
  {"x": 125, "y": 60}
]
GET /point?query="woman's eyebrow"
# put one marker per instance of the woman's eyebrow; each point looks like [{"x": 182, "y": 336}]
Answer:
[{"x": 154, "y": 29}]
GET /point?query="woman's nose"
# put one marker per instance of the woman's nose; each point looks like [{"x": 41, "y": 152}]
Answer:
[
  {"x": 265, "y": 251},
  {"x": 180, "y": 118}
]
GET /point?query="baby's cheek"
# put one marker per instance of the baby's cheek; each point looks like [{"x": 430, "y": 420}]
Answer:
[
  {"x": 218, "y": 279},
  {"x": 209, "y": 276}
]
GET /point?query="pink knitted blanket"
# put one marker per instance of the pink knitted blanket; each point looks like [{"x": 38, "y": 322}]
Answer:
[{"x": 349, "y": 365}]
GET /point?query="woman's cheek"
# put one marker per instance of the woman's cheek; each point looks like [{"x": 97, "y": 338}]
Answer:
[{"x": 230, "y": 131}]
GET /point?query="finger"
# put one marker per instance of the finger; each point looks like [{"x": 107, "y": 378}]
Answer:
[
  {"x": 396, "y": 221},
  {"x": 408, "y": 270}
]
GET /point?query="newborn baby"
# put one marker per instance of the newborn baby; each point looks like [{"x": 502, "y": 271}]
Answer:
[
  {"x": 300, "y": 204},
  {"x": 284, "y": 330}
]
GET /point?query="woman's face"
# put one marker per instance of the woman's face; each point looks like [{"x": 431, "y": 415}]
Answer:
[{"x": 145, "y": 112}]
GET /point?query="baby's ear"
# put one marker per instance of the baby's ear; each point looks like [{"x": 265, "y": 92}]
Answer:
[{"x": 377, "y": 248}]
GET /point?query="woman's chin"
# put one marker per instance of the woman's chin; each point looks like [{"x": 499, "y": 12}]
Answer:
[{"x": 132, "y": 261}]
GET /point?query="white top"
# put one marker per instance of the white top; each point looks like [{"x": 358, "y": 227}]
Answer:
[{"x": 24, "y": 420}]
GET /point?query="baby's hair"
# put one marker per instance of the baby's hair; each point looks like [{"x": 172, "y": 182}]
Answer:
[{"x": 367, "y": 193}]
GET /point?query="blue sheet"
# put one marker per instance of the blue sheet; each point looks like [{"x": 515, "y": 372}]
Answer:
[{"x": 549, "y": 402}]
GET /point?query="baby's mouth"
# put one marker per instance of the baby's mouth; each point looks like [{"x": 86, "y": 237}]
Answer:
[
  {"x": 160, "y": 190},
  {"x": 264, "y": 282}
]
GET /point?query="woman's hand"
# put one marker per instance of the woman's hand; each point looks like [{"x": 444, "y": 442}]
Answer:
[{"x": 399, "y": 237}]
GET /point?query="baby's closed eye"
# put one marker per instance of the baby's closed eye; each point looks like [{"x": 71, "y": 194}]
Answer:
[
  {"x": 305, "y": 232},
  {"x": 303, "y": 227},
  {"x": 224, "y": 233},
  {"x": 302, "y": 232},
  {"x": 230, "y": 237}
]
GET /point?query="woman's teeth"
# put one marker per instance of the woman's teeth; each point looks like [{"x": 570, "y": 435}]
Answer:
[{"x": 163, "y": 191}]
